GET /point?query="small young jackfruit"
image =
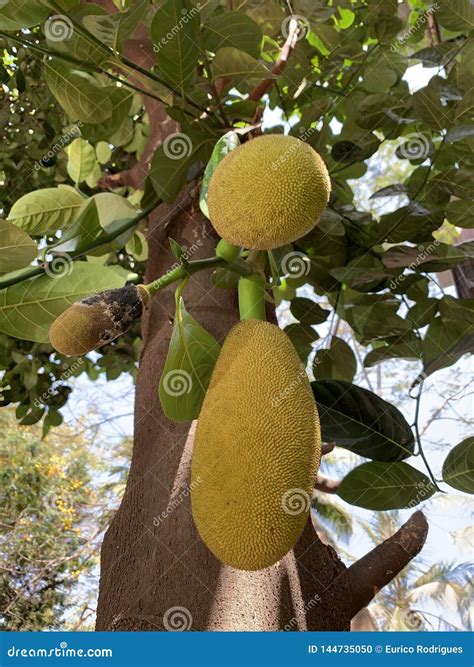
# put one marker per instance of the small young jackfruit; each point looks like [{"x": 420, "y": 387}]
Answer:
[
  {"x": 97, "y": 320},
  {"x": 268, "y": 192},
  {"x": 257, "y": 449}
]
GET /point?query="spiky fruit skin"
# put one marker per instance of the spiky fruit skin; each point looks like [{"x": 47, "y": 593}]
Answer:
[
  {"x": 97, "y": 320},
  {"x": 256, "y": 451},
  {"x": 268, "y": 192}
]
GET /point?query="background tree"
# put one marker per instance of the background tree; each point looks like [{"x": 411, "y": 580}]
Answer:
[{"x": 191, "y": 75}]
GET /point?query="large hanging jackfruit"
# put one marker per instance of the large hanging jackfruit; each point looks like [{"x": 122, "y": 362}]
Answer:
[
  {"x": 268, "y": 192},
  {"x": 257, "y": 449}
]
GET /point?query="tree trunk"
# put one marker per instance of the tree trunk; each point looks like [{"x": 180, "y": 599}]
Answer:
[{"x": 156, "y": 573}]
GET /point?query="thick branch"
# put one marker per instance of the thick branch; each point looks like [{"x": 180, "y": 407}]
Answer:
[
  {"x": 264, "y": 86},
  {"x": 377, "y": 568}
]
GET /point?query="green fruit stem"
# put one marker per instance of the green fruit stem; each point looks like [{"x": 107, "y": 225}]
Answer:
[
  {"x": 228, "y": 251},
  {"x": 184, "y": 270},
  {"x": 252, "y": 297}
]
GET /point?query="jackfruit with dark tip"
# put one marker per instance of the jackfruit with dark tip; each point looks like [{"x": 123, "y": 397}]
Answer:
[
  {"x": 97, "y": 320},
  {"x": 268, "y": 192},
  {"x": 257, "y": 449}
]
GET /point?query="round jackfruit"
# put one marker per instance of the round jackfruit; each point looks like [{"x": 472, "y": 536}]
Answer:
[
  {"x": 268, "y": 192},
  {"x": 97, "y": 320},
  {"x": 256, "y": 450}
]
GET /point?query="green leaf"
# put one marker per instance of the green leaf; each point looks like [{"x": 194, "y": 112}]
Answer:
[
  {"x": 17, "y": 249},
  {"x": 78, "y": 93},
  {"x": 459, "y": 133},
  {"x": 337, "y": 362},
  {"x": 460, "y": 213},
  {"x": 302, "y": 336},
  {"x": 455, "y": 14},
  {"x": 100, "y": 216},
  {"x": 173, "y": 159},
  {"x": 46, "y": 210},
  {"x": 307, "y": 311},
  {"x": 227, "y": 143},
  {"x": 445, "y": 342},
  {"x": 28, "y": 309},
  {"x": 381, "y": 486},
  {"x": 358, "y": 420},
  {"x": 434, "y": 256},
  {"x": 231, "y": 63},
  {"x": 406, "y": 348},
  {"x": 174, "y": 31},
  {"x": 390, "y": 191},
  {"x": 232, "y": 29},
  {"x": 414, "y": 223},
  {"x": 428, "y": 108},
  {"x": 191, "y": 358},
  {"x": 137, "y": 246},
  {"x": 81, "y": 160},
  {"x": 16, "y": 15},
  {"x": 103, "y": 152},
  {"x": 63, "y": 39},
  {"x": 458, "y": 468}
]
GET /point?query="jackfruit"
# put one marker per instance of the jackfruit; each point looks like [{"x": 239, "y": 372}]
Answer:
[
  {"x": 268, "y": 192},
  {"x": 256, "y": 450},
  {"x": 97, "y": 320}
]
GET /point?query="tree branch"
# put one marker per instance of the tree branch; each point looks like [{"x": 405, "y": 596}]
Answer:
[
  {"x": 377, "y": 568},
  {"x": 264, "y": 86},
  {"x": 327, "y": 485}
]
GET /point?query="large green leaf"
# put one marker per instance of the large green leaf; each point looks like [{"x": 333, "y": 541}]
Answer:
[
  {"x": 307, "y": 311},
  {"x": 233, "y": 29},
  {"x": 17, "y": 249},
  {"x": 78, "y": 93},
  {"x": 445, "y": 342},
  {"x": 46, "y": 210},
  {"x": 302, "y": 336},
  {"x": 460, "y": 212},
  {"x": 174, "y": 32},
  {"x": 358, "y": 420},
  {"x": 455, "y": 14},
  {"x": 227, "y": 143},
  {"x": 336, "y": 362},
  {"x": 191, "y": 357},
  {"x": 64, "y": 39},
  {"x": 458, "y": 468},
  {"x": 28, "y": 309},
  {"x": 433, "y": 256},
  {"x": 385, "y": 486},
  {"x": 237, "y": 65},
  {"x": 15, "y": 15}
]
